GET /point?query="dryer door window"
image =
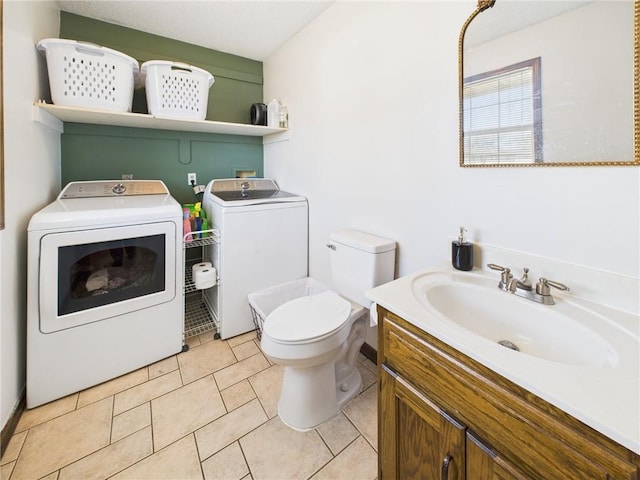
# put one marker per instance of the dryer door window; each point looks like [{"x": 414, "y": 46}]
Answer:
[
  {"x": 95, "y": 274},
  {"x": 91, "y": 275}
]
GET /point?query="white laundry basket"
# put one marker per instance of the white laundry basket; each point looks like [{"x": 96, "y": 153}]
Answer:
[
  {"x": 176, "y": 89},
  {"x": 88, "y": 75},
  {"x": 263, "y": 302}
]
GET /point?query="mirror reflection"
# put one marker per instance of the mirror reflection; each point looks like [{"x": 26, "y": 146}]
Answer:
[{"x": 549, "y": 83}]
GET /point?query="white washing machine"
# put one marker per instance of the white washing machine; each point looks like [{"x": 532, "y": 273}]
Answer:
[
  {"x": 263, "y": 242},
  {"x": 104, "y": 285}
]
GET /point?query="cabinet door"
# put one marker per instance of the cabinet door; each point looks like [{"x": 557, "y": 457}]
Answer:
[
  {"x": 416, "y": 439},
  {"x": 485, "y": 464}
]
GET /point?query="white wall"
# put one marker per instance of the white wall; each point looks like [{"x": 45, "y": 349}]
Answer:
[
  {"x": 372, "y": 92},
  {"x": 31, "y": 175}
]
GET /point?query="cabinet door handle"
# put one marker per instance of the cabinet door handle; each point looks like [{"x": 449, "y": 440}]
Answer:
[{"x": 446, "y": 461}]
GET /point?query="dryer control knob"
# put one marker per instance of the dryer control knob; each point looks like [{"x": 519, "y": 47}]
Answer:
[{"x": 119, "y": 188}]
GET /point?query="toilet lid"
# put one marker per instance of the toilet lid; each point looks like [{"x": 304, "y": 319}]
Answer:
[{"x": 307, "y": 317}]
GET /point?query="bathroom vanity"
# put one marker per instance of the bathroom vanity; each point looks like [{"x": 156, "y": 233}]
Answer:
[{"x": 454, "y": 405}]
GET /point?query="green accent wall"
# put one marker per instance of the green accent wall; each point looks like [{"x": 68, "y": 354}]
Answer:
[
  {"x": 95, "y": 152},
  {"x": 238, "y": 80}
]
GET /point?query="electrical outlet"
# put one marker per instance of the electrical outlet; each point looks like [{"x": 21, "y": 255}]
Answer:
[{"x": 191, "y": 179}]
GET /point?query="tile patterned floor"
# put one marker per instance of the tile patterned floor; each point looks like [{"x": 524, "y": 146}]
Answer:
[{"x": 210, "y": 412}]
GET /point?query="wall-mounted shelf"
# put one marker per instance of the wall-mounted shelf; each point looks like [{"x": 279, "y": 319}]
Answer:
[{"x": 43, "y": 113}]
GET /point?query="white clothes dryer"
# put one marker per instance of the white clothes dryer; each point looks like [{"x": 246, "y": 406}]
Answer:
[
  {"x": 263, "y": 242},
  {"x": 104, "y": 285}
]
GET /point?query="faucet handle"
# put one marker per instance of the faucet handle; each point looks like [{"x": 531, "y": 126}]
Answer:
[
  {"x": 542, "y": 287},
  {"x": 505, "y": 277},
  {"x": 506, "y": 271}
]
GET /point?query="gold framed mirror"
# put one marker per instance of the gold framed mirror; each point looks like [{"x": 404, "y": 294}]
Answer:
[{"x": 550, "y": 84}]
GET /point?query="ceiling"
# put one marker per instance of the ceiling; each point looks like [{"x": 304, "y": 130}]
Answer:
[
  {"x": 249, "y": 28},
  {"x": 510, "y": 16}
]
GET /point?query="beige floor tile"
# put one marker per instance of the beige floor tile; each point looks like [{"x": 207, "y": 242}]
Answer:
[
  {"x": 166, "y": 401},
  {"x": 370, "y": 365},
  {"x": 227, "y": 464},
  {"x": 111, "y": 459},
  {"x": 226, "y": 430},
  {"x": 13, "y": 448},
  {"x": 145, "y": 392},
  {"x": 245, "y": 337},
  {"x": 267, "y": 385},
  {"x": 207, "y": 337},
  {"x": 363, "y": 412},
  {"x": 183, "y": 411},
  {"x": 204, "y": 360},
  {"x": 46, "y": 412},
  {"x": 358, "y": 461},
  {"x": 338, "y": 433},
  {"x": 178, "y": 461},
  {"x": 368, "y": 377},
  {"x": 131, "y": 421},
  {"x": 193, "y": 341},
  {"x": 245, "y": 350},
  {"x": 241, "y": 370},
  {"x": 6, "y": 469},
  {"x": 163, "y": 366},
  {"x": 65, "y": 439},
  {"x": 112, "y": 387},
  {"x": 237, "y": 395},
  {"x": 275, "y": 451}
]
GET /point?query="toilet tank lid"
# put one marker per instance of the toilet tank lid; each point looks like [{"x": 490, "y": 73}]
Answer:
[{"x": 366, "y": 242}]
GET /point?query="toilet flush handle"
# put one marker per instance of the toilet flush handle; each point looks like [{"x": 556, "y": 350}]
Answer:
[{"x": 331, "y": 246}]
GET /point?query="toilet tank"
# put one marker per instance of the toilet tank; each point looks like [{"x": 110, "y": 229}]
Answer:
[{"x": 359, "y": 262}]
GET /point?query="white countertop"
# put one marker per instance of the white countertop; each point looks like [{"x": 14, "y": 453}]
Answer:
[{"x": 605, "y": 398}]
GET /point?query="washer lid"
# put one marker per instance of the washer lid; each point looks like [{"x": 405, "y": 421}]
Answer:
[
  {"x": 306, "y": 318},
  {"x": 240, "y": 192}
]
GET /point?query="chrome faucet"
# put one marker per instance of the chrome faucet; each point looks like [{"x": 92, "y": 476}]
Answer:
[{"x": 523, "y": 288}]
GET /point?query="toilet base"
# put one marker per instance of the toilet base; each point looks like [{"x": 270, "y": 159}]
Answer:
[
  {"x": 306, "y": 402},
  {"x": 349, "y": 388}
]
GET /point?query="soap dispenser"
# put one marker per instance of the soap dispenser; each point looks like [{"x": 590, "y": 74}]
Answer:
[{"x": 462, "y": 252}]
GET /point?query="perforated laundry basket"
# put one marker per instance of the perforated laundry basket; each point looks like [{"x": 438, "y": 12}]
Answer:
[
  {"x": 263, "y": 302},
  {"x": 176, "y": 89},
  {"x": 88, "y": 75}
]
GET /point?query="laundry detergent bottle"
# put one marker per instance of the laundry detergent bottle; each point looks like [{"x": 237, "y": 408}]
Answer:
[{"x": 186, "y": 225}]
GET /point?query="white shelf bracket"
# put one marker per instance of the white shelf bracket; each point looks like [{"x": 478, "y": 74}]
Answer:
[
  {"x": 276, "y": 137},
  {"x": 44, "y": 118}
]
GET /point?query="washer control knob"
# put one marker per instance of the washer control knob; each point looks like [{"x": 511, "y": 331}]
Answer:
[{"x": 119, "y": 188}]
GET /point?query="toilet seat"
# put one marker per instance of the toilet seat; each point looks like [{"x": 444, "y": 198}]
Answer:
[{"x": 307, "y": 318}]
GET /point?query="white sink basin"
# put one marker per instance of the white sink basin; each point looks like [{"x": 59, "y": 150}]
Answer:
[
  {"x": 581, "y": 356},
  {"x": 558, "y": 333}
]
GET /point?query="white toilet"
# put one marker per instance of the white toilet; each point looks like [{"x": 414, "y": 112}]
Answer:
[{"x": 317, "y": 337}]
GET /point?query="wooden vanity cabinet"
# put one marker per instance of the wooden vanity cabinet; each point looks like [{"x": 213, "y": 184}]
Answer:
[
  {"x": 427, "y": 443},
  {"x": 484, "y": 463},
  {"x": 443, "y": 416}
]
